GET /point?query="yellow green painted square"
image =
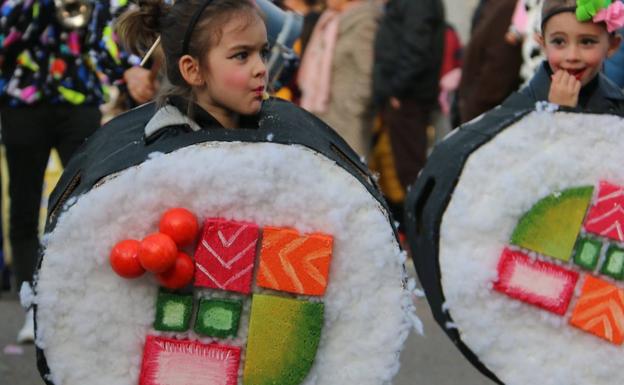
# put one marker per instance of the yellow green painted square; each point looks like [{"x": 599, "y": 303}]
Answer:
[{"x": 284, "y": 334}]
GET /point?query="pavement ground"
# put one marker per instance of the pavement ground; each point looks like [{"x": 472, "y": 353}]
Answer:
[{"x": 427, "y": 360}]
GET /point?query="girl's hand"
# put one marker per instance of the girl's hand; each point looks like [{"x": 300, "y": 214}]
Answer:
[
  {"x": 140, "y": 84},
  {"x": 395, "y": 103},
  {"x": 513, "y": 38},
  {"x": 564, "y": 89}
]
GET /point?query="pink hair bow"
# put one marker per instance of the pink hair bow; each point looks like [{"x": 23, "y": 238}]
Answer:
[{"x": 613, "y": 16}]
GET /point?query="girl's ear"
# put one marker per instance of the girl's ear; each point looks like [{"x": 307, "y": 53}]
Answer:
[
  {"x": 190, "y": 70},
  {"x": 614, "y": 44}
]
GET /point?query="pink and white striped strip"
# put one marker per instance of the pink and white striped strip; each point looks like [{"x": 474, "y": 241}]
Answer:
[
  {"x": 179, "y": 362},
  {"x": 538, "y": 283}
]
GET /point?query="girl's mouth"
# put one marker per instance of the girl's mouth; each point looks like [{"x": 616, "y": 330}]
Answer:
[
  {"x": 577, "y": 73},
  {"x": 259, "y": 90}
]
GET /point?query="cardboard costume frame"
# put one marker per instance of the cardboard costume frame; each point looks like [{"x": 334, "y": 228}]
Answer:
[
  {"x": 122, "y": 144},
  {"x": 429, "y": 198}
]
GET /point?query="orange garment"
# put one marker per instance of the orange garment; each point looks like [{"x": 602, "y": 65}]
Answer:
[{"x": 382, "y": 162}]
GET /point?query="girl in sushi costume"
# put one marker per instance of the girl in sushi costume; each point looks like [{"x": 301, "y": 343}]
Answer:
[
  {"x": 577, "y": 37},
  {"x": 218, "y": 75}
]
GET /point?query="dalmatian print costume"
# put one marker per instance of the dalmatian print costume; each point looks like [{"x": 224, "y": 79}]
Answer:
[{"x": 532, "y": 55}]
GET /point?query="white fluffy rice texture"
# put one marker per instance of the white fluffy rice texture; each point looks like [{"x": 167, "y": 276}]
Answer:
[
  {"x": 92, "y": 323},
  {"x": 541, "y": 154}
]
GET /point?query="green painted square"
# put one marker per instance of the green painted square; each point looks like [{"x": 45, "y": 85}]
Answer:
[
  {"x": 173, "y": 312},
  {"x": 218, "y": 317},
  {"x": 614, "y": 264},
  {"x": 587, "y": 253}
]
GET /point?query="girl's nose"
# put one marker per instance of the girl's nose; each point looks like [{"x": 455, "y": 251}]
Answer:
[
  {"x": 262, "y": 71},
  {"x": 260, "y": 68},
  {"x": 572, "y": 53}
]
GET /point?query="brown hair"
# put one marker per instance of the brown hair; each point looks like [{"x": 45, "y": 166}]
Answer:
[
  {"x": 552, "y": 7},
  {"x": 139, "y": 27}
]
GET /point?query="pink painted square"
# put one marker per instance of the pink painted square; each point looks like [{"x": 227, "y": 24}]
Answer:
[
  {"x": 177, "y": 362},
  {"x": 606, "y": 216},
  {"x": 225, "y": 255},
  {"x": 538, "y": 283}
]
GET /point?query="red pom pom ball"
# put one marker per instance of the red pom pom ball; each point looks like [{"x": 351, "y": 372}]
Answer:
[
  {"x": 180, "y": 224},
  {"x": 180, "y": 275},
  {"x": 124, "y": 259},
  {"x": 157, "y": 253}
]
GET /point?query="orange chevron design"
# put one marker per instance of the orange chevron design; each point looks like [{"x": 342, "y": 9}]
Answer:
[
  {"x": 600, "y": 310},
  {"x": 294, "y": 263}
]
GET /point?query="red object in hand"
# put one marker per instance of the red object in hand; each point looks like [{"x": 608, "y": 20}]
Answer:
[
  {"x": 124, "y": 259},
  {"x": 180, "y": 224},
  {"x": 157, "y": 252},
  {"x": 180, "y": 275}
]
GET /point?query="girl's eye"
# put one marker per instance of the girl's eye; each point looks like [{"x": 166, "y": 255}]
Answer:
[
  {"x": 588, "y": 41},
  {"x": 265, "y": 53},
  {"x": 241, "y": 56},
  {"x": 557, "y": 41}
]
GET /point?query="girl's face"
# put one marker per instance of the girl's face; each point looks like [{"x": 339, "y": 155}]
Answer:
[
  {"x": 235, "y": 71},
  {"x": 575, "y": 47}
]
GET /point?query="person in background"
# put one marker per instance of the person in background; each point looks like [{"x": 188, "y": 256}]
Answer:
[
  {"x": 140, "y": 86},
  {"x": 53, "y": 64},
  {"x": 614, "y": 66},
  {"x": 311, "y": 11},
  {"x": 450, "y": 76},
  {"x": 409, "y": 47},
  {"x": 524, "y": 30},
  {"x": 336, "y": 70},
  {"x": 532, "y": 55},
  {"x": 491, "y": 69},
  {"x": 517, "y": 31},
  {"x": 476, "y": 15}
]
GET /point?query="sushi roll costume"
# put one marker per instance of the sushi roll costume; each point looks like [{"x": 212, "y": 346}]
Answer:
[
  {"x": 516, "y": 231},
  {"x": 181, "y": 252}
]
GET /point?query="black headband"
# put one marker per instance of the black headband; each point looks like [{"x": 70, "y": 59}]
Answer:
[
  {"x": 555, "y": 11},
  {"x": 191, "y": 26}
]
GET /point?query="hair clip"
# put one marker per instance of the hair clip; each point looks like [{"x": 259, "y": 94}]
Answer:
[
  {"x": 587, "y": 9},
  {"x": 612, "y": 16},
  {"x": 607, "y": 11}
]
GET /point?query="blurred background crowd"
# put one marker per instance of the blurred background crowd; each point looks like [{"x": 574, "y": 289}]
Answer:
[{"x": 392, "y": 77}]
